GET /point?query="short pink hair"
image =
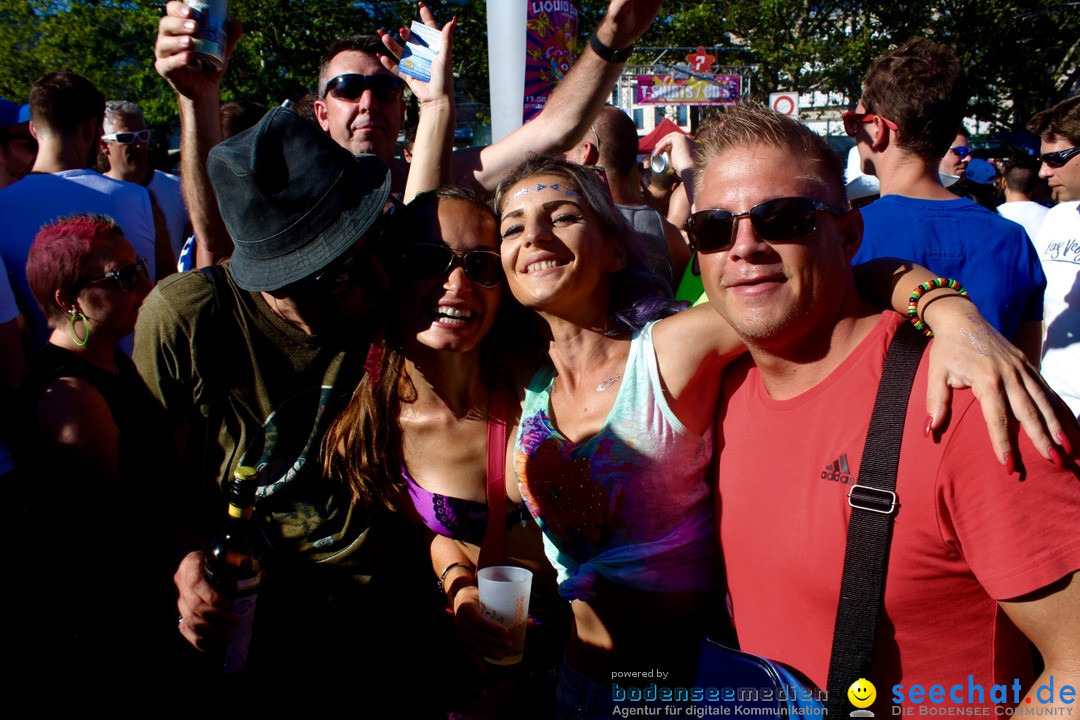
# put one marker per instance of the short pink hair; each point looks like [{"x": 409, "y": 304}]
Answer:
[{"x": 57, "y": 259}]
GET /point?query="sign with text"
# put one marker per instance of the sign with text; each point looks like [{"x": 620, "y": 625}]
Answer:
[
  {"x": 667, "y": 90},
  {"x": 551, "y": 47}
]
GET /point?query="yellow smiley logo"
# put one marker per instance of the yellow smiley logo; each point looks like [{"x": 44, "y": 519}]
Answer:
[{"x": 862, "y": 693}]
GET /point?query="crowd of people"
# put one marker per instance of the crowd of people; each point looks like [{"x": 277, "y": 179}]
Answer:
[{"x": 476, "y": 358}]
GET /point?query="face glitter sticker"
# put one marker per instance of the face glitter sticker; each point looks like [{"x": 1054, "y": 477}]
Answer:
[{"x": 540, "y": 186}]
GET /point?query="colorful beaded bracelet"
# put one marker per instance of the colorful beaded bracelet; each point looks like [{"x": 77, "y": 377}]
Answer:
[{"x": 922, "y": 289}]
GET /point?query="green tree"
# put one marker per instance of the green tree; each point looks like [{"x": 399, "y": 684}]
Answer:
[{"x": 1020, "y": 55}]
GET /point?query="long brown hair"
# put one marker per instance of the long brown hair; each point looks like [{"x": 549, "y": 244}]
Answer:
[{"x": 363, "y": 445}]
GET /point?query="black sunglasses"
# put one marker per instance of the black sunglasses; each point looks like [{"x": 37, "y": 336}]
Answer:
[
  {"x": 778, "y": 220},
  {"x": 1059, "y": 158},
  {"x": 425, "y": 261},
  {"x": 127, "y": 276},
  {"x": 351, "y": 86}
]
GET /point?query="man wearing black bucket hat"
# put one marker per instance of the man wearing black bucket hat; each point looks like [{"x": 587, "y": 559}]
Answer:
[{"x": 250, "y": 361}]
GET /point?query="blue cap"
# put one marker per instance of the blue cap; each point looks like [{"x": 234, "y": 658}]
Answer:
[
  {"x": 13, "y": 113},
  {"x": 981, "y": 171}
]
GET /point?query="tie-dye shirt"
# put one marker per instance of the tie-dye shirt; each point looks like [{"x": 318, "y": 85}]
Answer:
[{"x": 631, "y": 503}]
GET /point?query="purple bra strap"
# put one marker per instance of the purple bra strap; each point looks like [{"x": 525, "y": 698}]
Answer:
[{"x": 491, "y": 551}]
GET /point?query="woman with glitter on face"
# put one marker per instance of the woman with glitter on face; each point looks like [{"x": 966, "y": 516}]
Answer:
[{"x": 616, "y": 432}]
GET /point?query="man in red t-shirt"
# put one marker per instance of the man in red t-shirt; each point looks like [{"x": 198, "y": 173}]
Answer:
[{"x": 983, "y": 558}]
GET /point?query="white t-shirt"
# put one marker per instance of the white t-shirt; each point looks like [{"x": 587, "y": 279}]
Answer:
[
  {"x": 1058, "y": 245},
  {"x": 1027, "y": 213},
  {"x": 166, "y": 190},
  {"x": 40, "y": 198}
]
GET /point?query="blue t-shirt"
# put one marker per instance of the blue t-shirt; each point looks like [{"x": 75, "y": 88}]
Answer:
[{"x": 992, "y": 257}]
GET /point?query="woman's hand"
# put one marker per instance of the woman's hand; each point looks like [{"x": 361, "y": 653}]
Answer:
[
  {"x": 441, "y": 84},
  {"x": 968, "y": 352},
  {"x": 482, "y": 636}
]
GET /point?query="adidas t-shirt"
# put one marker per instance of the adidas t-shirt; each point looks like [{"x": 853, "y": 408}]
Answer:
[{"x": 965, "y": 534}]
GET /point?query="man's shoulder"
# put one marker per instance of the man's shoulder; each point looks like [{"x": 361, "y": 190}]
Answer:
[
  {"x": 164, "y": 181},
  {"x": 1066, "y": 214},
  {"x": 976, "y": 221},
  {"x": 179, "y": 296},
  {"x": 102, "y": 183},
  {"x": 1021, "y": 208}
]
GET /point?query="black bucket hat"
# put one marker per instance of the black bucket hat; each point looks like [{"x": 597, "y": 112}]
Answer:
[{"x": 292, "y": 199}]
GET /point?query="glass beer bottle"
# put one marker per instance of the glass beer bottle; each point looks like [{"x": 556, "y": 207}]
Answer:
[{"x": 232, "y": 564}]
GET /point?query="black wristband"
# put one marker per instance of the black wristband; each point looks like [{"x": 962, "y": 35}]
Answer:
[{"x": 609, "y": 54}]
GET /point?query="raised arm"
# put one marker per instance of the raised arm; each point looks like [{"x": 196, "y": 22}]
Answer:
[
  {"x": 434, "y": 143},
  {"x": 969, "y": 352},
  {"x": 573, "y": 105},
  {"x": 680, "y": 148},
  {"x": 199, "y": 98}
]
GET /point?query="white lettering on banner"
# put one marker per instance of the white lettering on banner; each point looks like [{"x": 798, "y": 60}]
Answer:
[{"x": 550, "y": 6}]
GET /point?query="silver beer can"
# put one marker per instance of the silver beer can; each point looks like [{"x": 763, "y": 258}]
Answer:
[
  {"x": 210, "y": 41},
  {"x": 660, "y": 163}
]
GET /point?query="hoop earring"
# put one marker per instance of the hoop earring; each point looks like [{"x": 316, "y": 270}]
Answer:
[{"x": 76, "y": 315}]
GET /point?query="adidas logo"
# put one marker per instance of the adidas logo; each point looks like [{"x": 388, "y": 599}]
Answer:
[{"x": 838, "y": 471}]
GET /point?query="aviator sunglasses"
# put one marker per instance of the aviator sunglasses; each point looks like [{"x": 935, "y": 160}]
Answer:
[
  {"x": 126, "y": 138},
  {"x": 127, "y": 276},
  {"x": 425, "y": 261},
  {"x": 1059, "y": 158},
  {"x": 778, "y": 220},
  {"x": 351, "y": 86}
]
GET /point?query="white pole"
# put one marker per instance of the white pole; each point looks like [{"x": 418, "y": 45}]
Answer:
[{"x": 506, "y": 64}]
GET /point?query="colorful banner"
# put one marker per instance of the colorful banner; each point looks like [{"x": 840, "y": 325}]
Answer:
[
  {"x": 551, "y": 47},
  {"x": 667, "y": 90}
]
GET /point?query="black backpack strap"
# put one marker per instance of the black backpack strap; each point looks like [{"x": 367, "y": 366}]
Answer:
[{"x": 873, "y": 502}]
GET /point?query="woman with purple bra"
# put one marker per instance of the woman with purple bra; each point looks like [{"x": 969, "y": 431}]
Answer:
[{"x": 427, "y": 431}]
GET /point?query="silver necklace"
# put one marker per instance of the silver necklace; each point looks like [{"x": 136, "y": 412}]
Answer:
[
  {"x": 608, "y": 383},
  {"x": 599, "y": 388}
]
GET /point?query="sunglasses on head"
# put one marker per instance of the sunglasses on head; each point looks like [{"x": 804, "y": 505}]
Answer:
[
  {"x": 351, "y": 86},
  {"x": 127, "y": 276},
  {"x": 126, "y": 138},
  {"x": 779, "y": 220},
  {"x": 852, "y": 121},
  {"x": 961, "y": 151},
  {"x": 425, "y": 261},
  {"x": 1059, "y": 158}
]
